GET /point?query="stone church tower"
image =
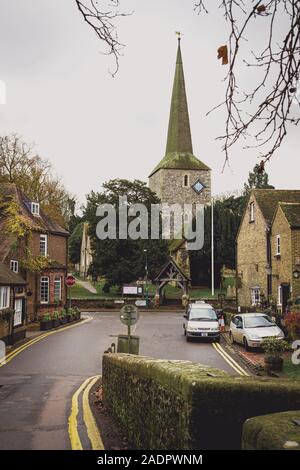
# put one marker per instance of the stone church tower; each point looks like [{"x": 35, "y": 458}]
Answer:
[{"x": 180, "y": 177}]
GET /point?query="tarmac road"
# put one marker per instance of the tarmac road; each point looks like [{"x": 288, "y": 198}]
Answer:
[{"x": 37, "y": 385}]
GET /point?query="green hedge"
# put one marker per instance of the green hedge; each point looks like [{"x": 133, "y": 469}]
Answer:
[
  {"x": 272, "y": 432},
  {"x": 180, "y": 405}
]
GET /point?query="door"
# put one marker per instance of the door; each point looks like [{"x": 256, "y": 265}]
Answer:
[
  {"x": 18, "y": 317},
  {"x": 285, "y": 289}
]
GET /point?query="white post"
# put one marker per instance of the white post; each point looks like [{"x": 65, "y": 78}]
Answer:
[{"x": 212, "y": 250}]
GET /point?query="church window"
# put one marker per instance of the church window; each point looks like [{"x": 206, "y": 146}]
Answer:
[{"x": 186, "y": 181}]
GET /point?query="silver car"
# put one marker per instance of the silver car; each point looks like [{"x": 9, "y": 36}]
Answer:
[{"x": 250, "y": 329}]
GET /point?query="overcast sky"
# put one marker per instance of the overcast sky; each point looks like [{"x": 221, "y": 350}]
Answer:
[{"x": 93, "y": 127}]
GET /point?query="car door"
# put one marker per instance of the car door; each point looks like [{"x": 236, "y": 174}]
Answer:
[
  {"x": 239, "y": 329},
  {"x": 186, "y": 316}
]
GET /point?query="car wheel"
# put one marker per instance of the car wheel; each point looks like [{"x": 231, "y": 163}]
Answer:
[
  {"x": 246, "y": 345},
  {"x": 231, "y": 339}
]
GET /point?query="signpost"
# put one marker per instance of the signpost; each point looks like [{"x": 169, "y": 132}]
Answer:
[
  {"x": 129, "y": 316},
  {"x": 70, "y": 282}
]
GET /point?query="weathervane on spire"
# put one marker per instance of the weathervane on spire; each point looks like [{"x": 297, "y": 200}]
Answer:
[{"x": 179, "y": 35}]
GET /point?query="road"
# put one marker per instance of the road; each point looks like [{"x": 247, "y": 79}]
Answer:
[{"x": 37, "y": 385}]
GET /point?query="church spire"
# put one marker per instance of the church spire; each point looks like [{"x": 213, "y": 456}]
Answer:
[{"x": 179, "y": 132}]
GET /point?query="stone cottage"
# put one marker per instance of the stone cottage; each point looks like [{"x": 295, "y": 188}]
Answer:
[{"x": 256, "y": 249}]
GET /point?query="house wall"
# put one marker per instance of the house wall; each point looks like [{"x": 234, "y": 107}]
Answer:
[
  {"x": 251, "y": 255},
  {"x": 281, "y": 265}
]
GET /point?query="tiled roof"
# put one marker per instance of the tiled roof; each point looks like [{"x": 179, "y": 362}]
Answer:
[
  {"x": 268, "y": 200},
  {"x": 292, "y": 213},
  {"x": 42, "y": 222},
  {"x": 9, "y": 278}
]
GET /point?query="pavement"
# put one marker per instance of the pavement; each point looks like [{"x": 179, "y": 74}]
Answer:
[
  {"x": 41, "y": 383},
  {"x": 87, "y": 285}
]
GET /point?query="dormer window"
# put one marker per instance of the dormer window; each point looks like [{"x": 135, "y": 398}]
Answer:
[
  {"x": 252, "y": 212},
  {"x": 186, "y": 181},
  {"x": 35, "y": 208}
]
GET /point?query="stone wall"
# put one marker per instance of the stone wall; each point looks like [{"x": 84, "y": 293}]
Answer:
[{"x": 163, "y": 404}]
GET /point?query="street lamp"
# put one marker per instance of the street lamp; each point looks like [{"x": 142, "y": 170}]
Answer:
[{"x": 146, "y": 269}]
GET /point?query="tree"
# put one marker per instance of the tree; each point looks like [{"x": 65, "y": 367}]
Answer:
[
  {"x": 123, "y": 261},
  {"x": 32, "y": 174},
  {"x": 262, "y": 114},
  {"x": 257, "y": 179},
  {"x": 75, "y": 241}
]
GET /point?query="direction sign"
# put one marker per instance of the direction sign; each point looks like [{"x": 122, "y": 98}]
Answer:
[
  {"x": 129, "y": 315},
  {"x": 70, "y": 280}
]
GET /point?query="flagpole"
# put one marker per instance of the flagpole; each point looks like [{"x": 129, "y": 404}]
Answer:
[{"x": 212, "y": 250}]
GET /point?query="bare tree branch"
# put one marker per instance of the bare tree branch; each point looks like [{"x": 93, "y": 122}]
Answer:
[
  {"x": 265, "y": 112},
  {"x": 102, "y": 21}
]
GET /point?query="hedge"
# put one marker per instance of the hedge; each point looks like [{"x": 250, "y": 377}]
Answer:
[
  {"x": 164, "y": 404},
  {"x": 272, "y": 432}
]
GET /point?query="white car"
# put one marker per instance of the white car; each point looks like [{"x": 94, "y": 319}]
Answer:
[
  {"x": 201, "y": 321},
  {"x": 250, "y": 329}
]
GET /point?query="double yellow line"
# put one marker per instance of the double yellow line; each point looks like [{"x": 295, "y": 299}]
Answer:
[
  {"x": 88, "y": 418},
  {"x": 22, "y": 348},
  {"x": 230, "y": 360}
]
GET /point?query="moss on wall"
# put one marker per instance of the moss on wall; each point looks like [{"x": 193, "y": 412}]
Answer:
[
  {"x": 272, "y": 432},
  {"x": 180, "y": 405}
]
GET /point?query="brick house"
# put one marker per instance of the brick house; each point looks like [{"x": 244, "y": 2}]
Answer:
[
  {"x": 41, "y": 258},
  {"x": 285, "y": 242},
  {"x": 12, "y": 298},
  {"x": 256, "y": 249}
]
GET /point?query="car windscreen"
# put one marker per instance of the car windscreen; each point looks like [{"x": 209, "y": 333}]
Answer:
[
  {"x": 258, "y": 322},
  {"x": 203, "y": 314}
]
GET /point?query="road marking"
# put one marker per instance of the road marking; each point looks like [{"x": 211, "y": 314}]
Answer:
[
  {"x": 89, "y": 420},
  {"x": 22, "y": 348},
  {"x": 88, "y": 417},
  {"x": 230, "y": 360}
]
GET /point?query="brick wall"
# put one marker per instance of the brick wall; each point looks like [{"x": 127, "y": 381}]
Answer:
[{"x": 252, "y": 255}]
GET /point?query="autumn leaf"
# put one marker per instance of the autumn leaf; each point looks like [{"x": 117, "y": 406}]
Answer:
[{"x": 223, "y": 54}]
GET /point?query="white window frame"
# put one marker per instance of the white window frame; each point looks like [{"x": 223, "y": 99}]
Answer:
[
  {"x": 18, "y": 316},
  {"x": 255, "y": 296},
  {"x": 35, "y": 208},
  {"x": 44, "y": 241},
  {"x": 14, "y": 265},
  {"x": 278, "y": 245},
  {"x": 44, "y": 283},
  {"x": 4, "y": 297},
  {"x": 279, "y": 296},
  {"x": 57, "y": 281},
  {"x": 252, "y": 211},
  {"x": 188, "y": 181}
]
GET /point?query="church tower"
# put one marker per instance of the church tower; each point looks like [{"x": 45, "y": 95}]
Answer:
[{"x": 180, "y": 177}]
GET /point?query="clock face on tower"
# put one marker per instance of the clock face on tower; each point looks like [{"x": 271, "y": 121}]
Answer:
[{"x": 198, "y": 187}]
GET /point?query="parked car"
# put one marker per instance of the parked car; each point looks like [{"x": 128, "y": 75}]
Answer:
[
  {"x": 201, "y": 321},
  {"x": 250, "y": 329}
]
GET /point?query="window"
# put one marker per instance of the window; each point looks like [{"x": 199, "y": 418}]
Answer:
[
  {"x": 35, "y": 208},
  {"x": 279, "y": 298},
  {"x": 57, "y": 289},
  {"x": 252, "y": 210},
  {"x": 44, "y": 290},
  {"x": 14, "y": 266},
  {"x": 4, "y": 297},
  {"x": 255, "y": 296},
  {"x": 277, "y": 245},
  {"x": 43, "y": 245},
  {"x": 186, "y": 181}
]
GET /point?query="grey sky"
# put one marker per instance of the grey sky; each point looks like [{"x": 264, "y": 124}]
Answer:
[{"x": 92, "y": 127}]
